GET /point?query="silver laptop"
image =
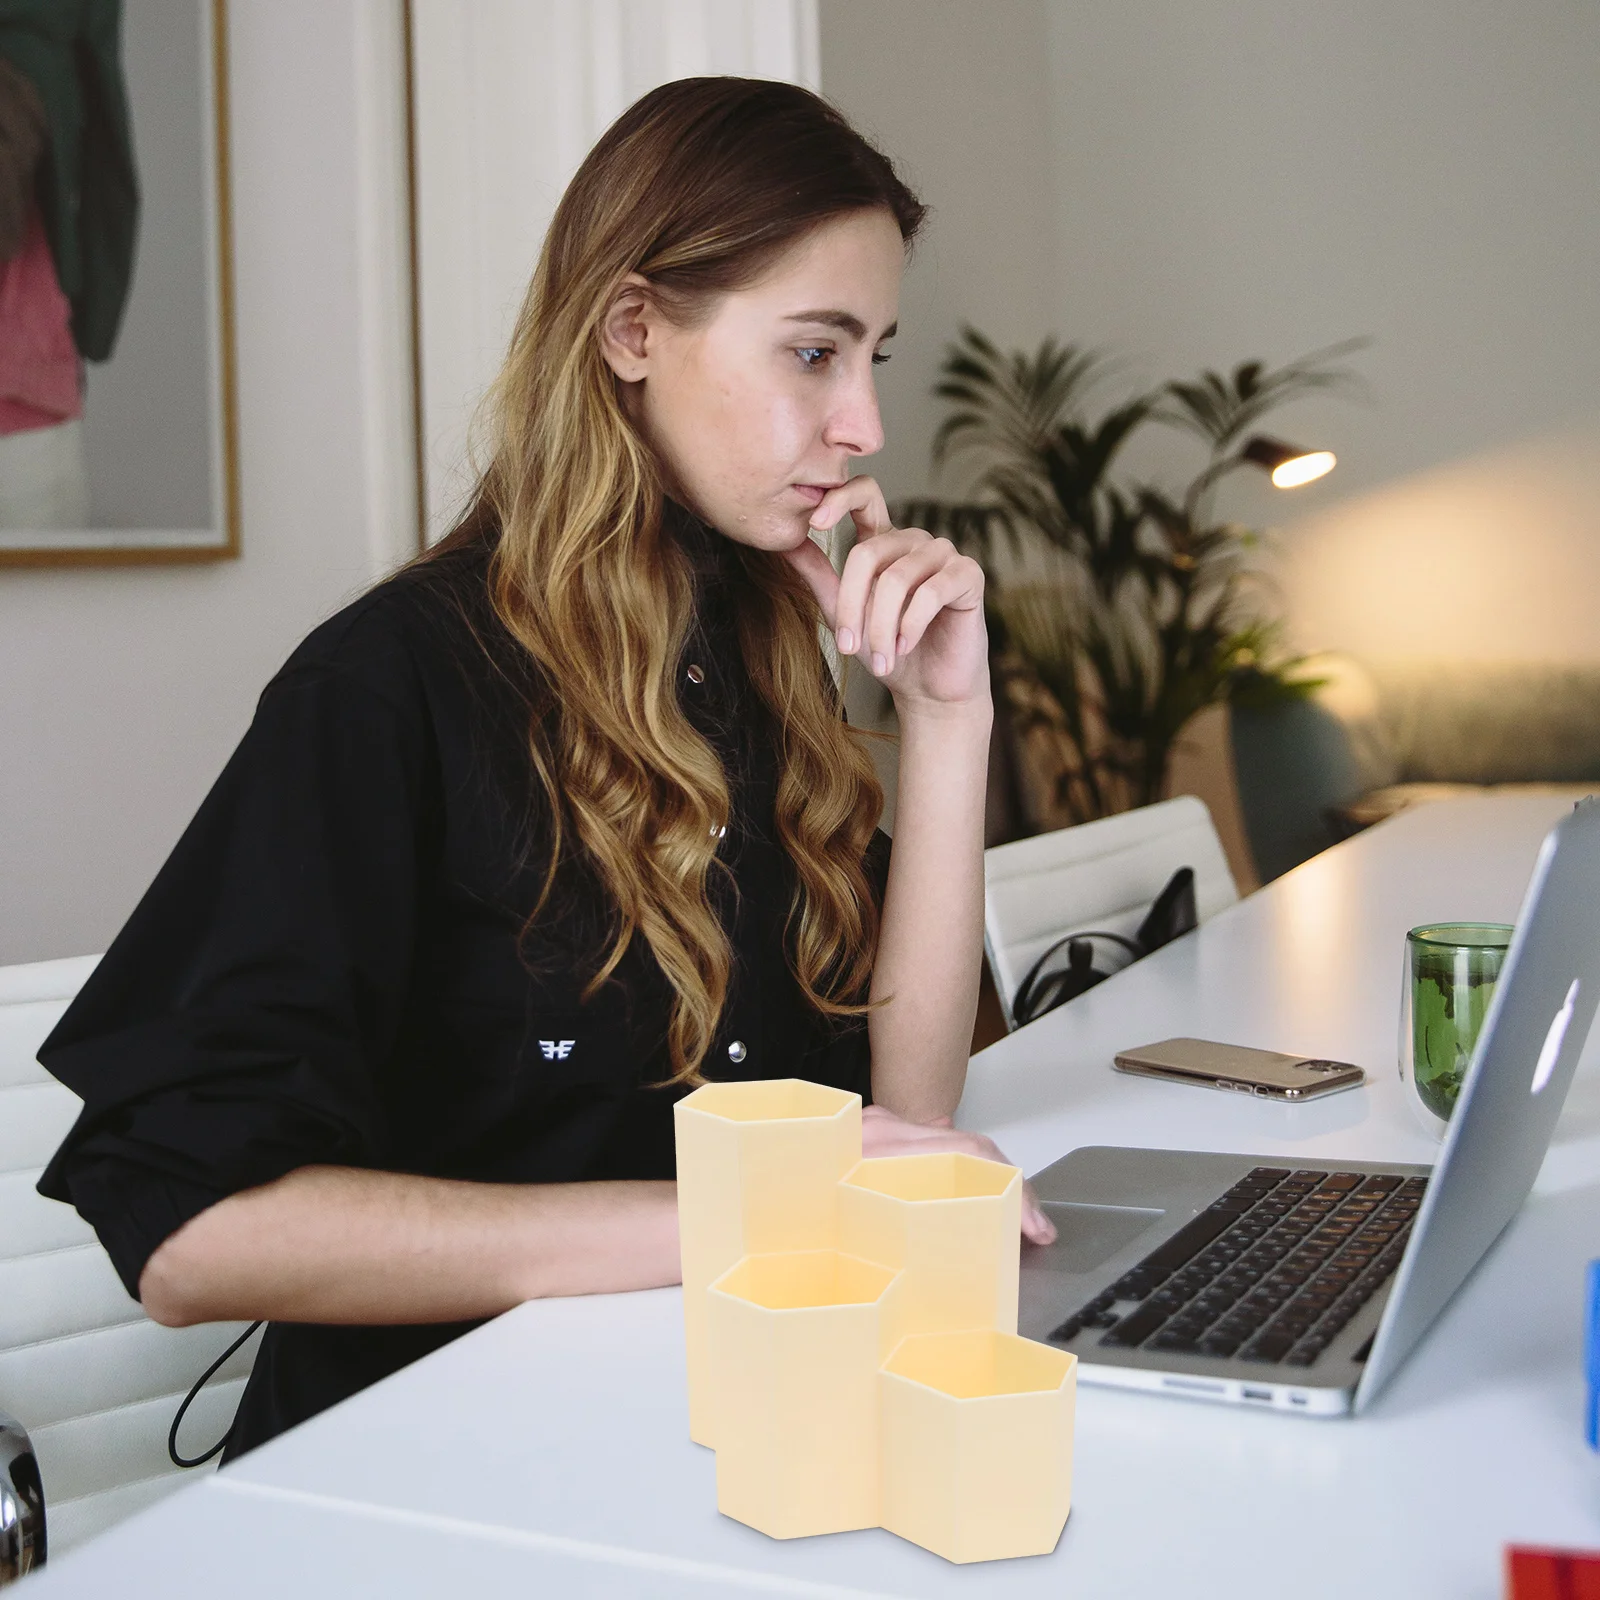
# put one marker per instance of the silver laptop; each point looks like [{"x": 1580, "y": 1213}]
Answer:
[{"x": 1304, "y": 1285}]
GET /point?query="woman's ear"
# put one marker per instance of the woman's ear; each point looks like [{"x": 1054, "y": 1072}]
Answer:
[{"x": 626, "y": 333}]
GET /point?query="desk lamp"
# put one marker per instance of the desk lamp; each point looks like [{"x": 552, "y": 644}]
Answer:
[{"x": 1288, "y": 465}]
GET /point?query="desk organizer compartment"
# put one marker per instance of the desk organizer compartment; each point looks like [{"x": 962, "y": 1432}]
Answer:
[
  {"x": 758, "y": 1171},
  {"x": 951, "y": 1223},
  {"x": 977, "y": 1444},
  {"x": 796, "y": 1342},
  {"x": 851, "y": 1331}
]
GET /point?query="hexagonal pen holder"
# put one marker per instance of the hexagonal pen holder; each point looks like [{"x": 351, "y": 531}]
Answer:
[
  {"x": 951, "y": 1223},
  {"x": 977, "y": 1444},
  {"x": 759, "y": 1165},
  {"x": 797, "y": 1342}
]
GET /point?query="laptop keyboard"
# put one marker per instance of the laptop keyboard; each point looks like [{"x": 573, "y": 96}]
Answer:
[{"x": 1270, "y": 1272}]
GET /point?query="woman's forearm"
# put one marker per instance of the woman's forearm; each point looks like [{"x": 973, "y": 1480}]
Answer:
[
  {"x": 345, "y": 1245},
  {"x": 931, "y": 943}
]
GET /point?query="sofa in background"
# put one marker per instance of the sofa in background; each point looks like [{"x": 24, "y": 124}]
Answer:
[{"x": 1380, "y": 735}]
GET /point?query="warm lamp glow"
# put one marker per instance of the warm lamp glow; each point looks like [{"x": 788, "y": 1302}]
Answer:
[
  {"x": 1304, "y": 469},
  {"x": 1289, "y": 465}
]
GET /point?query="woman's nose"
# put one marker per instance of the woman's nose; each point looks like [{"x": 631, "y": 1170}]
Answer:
[{"x": 855, "y": 424}]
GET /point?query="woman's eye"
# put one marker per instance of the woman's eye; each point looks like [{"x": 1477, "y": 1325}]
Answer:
[{"x": 816, "y": 355}]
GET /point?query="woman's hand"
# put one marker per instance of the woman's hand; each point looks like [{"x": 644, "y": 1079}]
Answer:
[
  {"x": 885, "y": 1134},
  {"x": 909, "y": 605},
  {"x": 912, "y": 608}
]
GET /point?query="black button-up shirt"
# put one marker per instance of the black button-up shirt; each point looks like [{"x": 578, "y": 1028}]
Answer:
[{"x": 333, "y": 965}]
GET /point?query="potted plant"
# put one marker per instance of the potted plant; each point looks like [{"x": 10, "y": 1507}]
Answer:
[{"x": 1118, "y": 609}]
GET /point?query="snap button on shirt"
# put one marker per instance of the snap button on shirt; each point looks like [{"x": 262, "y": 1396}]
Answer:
[
  {"x": 737, "y": 1051},
  {"x": 697, "y": 674}
]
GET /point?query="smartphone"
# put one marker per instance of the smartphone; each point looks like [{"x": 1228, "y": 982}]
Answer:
[{"x": 1239, "y": 1069}]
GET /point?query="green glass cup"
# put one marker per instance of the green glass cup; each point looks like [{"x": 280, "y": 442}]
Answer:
[{"x": 1450, "y": 975}]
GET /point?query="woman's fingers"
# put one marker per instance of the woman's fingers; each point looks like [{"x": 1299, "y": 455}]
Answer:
[
  {"x": 812, "y": 563},
  {"x": 957, "y": 586},
  {"x": 1036, "y": 1224},
  {"x": 894, "y": 584},
  {"x": 863, "y": 569},
  {"x": 861, "y": 500},
  {"x": 884, "y": 1134},
  {"x": 895, "y": 580}
]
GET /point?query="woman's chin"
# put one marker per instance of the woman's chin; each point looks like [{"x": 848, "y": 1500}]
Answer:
[{"x": 777, "y": 531}]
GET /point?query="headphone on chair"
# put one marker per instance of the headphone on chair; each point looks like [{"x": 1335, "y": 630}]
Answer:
[{"x": 1172, "y": 914}]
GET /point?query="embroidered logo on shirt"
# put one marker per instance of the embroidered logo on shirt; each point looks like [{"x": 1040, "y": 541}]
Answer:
[{"x": 557, "y": 1049}]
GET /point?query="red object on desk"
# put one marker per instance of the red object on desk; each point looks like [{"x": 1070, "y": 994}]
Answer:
[{"x": 1552, "y": 1574}]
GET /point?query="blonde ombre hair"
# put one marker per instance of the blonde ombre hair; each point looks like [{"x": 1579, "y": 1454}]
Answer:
[{"x": 699, "y": 187}]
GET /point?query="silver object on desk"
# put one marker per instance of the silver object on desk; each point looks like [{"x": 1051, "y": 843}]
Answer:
[
  {"x": 1144, "y": 1235},
  {"x": 22, "y": 1533}
]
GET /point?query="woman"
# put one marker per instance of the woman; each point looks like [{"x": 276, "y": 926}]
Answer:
[{"x": 564, "y": 818}]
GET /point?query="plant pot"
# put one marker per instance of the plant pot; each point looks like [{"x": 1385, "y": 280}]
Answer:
[
  {"x": 977, "y": 1444},
  {"x": 758, "y": 1171},
  {"x": 797, "y": 1341},
  {"x": 952, "y": 1224}
]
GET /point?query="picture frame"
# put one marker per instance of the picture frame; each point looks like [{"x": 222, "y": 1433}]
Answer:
[{"x": 162, "y": 478}]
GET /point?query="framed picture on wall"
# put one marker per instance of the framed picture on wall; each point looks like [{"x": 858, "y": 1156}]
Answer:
[{"x": 118, "y": 414}]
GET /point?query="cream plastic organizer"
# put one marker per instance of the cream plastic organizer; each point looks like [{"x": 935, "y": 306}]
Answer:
[{"x": 851, "y": 1330}]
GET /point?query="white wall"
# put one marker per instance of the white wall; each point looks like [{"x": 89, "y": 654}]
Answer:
[
  {"x": 1495, "y": 557},
  {"x": 1259, "y": 177},
  {"x": 122, "y": 690}
]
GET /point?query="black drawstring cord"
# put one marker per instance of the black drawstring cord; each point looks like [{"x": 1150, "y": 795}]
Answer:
[{"x": 188, "y": 1400}]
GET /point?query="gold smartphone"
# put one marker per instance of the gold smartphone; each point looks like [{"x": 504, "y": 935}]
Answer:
[{"x": 1238, "y": 1069}]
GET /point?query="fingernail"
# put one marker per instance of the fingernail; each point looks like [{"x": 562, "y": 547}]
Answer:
[
  {"x": 879, "y": 665},
  {"x": 847, "y": 642}
]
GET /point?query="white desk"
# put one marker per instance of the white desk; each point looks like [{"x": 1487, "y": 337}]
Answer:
[
  {"x": 216, "y": 1540},
  {"x": 558, "y": 1433}
]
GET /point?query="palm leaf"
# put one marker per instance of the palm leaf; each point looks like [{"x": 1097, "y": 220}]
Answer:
[
  {"x": 1221, "y": 410},
  {"x": 1005, "y": 406}
]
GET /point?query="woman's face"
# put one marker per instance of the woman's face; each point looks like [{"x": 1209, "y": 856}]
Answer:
[{"x": 759, "y": 409}]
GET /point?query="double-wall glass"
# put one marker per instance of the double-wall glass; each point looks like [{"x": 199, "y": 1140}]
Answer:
[{"x": 1451, "y": 970}]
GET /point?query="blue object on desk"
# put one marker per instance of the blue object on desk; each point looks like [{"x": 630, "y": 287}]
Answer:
[{"x": 1591, "y": 1355}]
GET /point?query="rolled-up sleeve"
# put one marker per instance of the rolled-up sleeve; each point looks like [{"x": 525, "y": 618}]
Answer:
[{"x": 238, "y": 1026}]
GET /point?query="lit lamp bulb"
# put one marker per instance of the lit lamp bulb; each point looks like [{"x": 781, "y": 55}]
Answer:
[{"x": 1288, "y": 464}]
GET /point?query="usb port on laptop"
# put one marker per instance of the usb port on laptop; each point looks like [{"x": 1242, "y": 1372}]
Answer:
[{"x": 1257, "y": 1394}]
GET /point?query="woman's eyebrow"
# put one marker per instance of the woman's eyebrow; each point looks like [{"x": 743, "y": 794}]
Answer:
[{"x": 845, "y": 321}]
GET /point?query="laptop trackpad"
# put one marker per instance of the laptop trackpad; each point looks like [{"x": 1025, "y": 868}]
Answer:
[{"x": 1087, "y": 1236}]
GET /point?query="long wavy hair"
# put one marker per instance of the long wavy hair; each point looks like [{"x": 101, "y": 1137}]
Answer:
[{"x": 699, "y": 187}]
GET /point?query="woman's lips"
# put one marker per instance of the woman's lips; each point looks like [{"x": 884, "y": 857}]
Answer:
[{"x": 815, "y": 493}]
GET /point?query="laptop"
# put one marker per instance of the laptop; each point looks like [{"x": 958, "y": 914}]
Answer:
[{"x": 1303, "y": 1285}]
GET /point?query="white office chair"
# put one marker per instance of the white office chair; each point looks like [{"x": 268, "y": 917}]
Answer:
[
  {"x": 93, "y": 1380},
  {"x": 1100, "y": 875}
]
